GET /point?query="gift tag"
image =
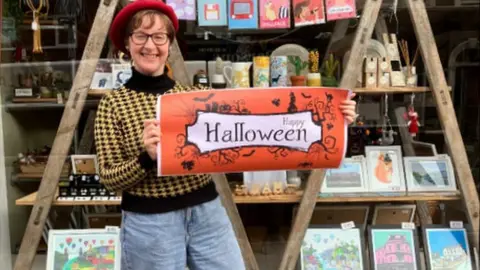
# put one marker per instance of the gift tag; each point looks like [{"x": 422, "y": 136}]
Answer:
[
  {"x": 113, "y": 229},
  {"x": 456, "y": 224},
  {"x": 408, "y": 225},
  {"x": 348, "y": 225},
  {"x": 34, "y": 26}
]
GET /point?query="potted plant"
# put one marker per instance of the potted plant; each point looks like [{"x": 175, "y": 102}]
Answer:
[
  {"x": 298, "y": 79},
  {"x": 329, "y": 77},
  {"x": 313, "y": 77}
]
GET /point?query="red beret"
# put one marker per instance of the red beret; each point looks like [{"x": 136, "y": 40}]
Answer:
[{"x": 119, "y": 24}]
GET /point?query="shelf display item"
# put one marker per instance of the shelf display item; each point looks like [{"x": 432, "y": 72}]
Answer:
[
  {"x": 238, "y": 75},
  {"x": 261, "y": 71},
  {"x": 314, "y": 78},
  {"x": 201, "y": 79},
  {"x": 409, "y": 68},
  {"x": 121, "y": 73},
  {"x": 84, "y": 249},
  {"x": 298, "y": 79},
  {"x": 331, "y": 65},
  {"x": 242, "y": 14},
  {"x": 430, "y": 174},
  {"x": 392, "y": 247},
  {"x": 385, "y": 169},
  {"x": 349, "y": 178},
  {"x": 331, "y": 247},
  {"x": 212, "y": 13},
  {"x": 290, "y": 50},
  {"x": 396, "y": 74},
  {"x": 393, "y": 214},
  {"x": 308, "y": 12},
  {"x": 338, "y": 214},
  {"x": 387, "y": 129},
  {"x": 278, "y": 71},
  {"x": 274, "y": 14},
  {"x": 412, "y": 117},
  {"x": 446, "y": 248}
]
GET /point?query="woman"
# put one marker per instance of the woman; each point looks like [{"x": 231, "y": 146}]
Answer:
[{"x": 167, "y": 222}]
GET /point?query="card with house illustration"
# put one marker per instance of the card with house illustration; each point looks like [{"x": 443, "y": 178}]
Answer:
[
  {"x": 447, "y": 248},
  {"x": 340, "y": 9},
  {"x": 308, "y": 12},
  {"x": 327, "y": 247},
  {"x": 392, "y": 247},
  {"x": 385, "y": 169},
  {"x": 185, "y": 9},
  {"x": 242, "y": 14},
  {"x": 434, "y": 173},
  {"x": 274, "y": 14},
  {"x": 212, "y": 13}
]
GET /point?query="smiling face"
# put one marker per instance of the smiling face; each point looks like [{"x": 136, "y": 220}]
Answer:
[{"x": 149, "y": 36}]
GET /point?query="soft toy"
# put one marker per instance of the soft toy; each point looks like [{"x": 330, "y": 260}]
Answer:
[{"x": 413, "y": 123}]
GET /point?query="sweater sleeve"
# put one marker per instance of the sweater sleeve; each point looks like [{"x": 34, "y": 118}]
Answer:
[{"x": 117, "y": 172}]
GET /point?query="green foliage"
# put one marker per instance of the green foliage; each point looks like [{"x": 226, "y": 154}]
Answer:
[
  {"x": 297, "y": 62},
  {"x": 330, "y": 66}
]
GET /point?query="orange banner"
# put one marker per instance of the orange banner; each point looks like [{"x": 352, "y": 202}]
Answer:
[{"x": 236, "y": 130}]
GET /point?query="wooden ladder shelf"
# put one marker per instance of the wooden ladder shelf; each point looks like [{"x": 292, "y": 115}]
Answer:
[{"x": 74, "y": 106}]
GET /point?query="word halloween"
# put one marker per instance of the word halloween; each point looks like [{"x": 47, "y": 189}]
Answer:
[{"x": 235, "y": 130}]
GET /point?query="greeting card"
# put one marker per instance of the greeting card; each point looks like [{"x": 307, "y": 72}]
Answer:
[
  {"x": 185, "y": 9},
  {"x": 340, "y": 9},
  {"x": 212, "y": 13},
  {"x": 308, "y": 12},
  {"x": 274, "y": 14},
  {"x": 242, "y": 14}
]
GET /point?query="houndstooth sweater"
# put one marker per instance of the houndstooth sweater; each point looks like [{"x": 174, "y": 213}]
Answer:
[{"x": 124, "y": 164}]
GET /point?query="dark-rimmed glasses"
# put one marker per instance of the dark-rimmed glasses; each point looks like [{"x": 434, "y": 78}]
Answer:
[{"x": 158, "y": 39}]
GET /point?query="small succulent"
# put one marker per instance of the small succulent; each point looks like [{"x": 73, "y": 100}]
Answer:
[{"x": 297, "y": 62}]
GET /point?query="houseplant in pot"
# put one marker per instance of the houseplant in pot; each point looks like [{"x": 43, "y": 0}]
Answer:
[
  {"x": 298, "y": 79},
  {"x": 313, "y": 77},
  {"x": 329, "y": 77}
]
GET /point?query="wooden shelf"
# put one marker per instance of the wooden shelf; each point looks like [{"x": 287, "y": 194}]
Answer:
[{"x": 30, "y": 199}]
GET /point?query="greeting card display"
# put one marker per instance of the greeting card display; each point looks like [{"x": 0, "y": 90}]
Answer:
[
  {"x": 212, "y": 13},
  {"x": 332, "y": 248},
  {"x": 340, "y": 9},
  {"x": 242, "y": 14},
  {"x": 260, "y": 129},
  {"x": 385, "y": 169},
  {"x": 83, "y": 249},
  {"x": 392, "y": 247},
  {"x": 274, "y": 14},
  {"x": 447, "y": 248},
  {"x": 434, "y": 173},
  {"x": 308, "y": 12},
  {"x": 184, "y": 9}
]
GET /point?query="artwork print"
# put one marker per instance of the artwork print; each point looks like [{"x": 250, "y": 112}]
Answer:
[
  {"x": 325, "y": 248},
  {"x": 258, "y": 129},
  {"x": 274, "y": 14},
  {"x": 184, "y": 9},
  {"x": 393, "y": 249},
  {"x": 340, "y": 9},
  {"x": 429, "y": 173},
  {"x": 308, "y": 12},
  {"x": 83, "y": 250},
  {"x": 349, "y": 177},
  {"x": 212, "y": 13},
  {"x": 385, "y": 168},
  {"x": 242, "y": 14},
  {"x": 448, "y": 249}
]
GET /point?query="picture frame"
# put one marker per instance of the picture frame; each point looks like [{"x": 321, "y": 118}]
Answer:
[
  {"x": 426, "y": 174},
  {"x": 393, "y": 214},
  {"x": 84, "y": 164},
  {"x": 339, "y": 180},
  {"x": 386, "y": 241},
  {"x": 315, "y": 247},
  {"x": 71, "y": 246},
  {"x": 446, "y": 248},
  {"x": 385, "y": 170},
  {"x": 338, "y": 214}
]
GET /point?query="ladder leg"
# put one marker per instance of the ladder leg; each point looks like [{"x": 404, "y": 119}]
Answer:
[
  {"x": 315, "y": 180},
  {"x": 446, "y": 113},
  {"x": 63, "y": 139}
]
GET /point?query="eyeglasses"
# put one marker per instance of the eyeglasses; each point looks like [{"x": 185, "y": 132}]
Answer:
[{"x": 141, "y": 38}]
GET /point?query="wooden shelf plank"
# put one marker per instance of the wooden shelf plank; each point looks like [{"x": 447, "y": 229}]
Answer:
[{"x": 295, "y": 198}]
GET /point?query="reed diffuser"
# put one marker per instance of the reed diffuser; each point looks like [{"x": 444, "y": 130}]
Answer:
[{"x": 409, "y": 69}]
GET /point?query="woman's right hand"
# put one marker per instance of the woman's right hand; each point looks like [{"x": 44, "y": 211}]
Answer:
[{"x": 151, "y": 137}]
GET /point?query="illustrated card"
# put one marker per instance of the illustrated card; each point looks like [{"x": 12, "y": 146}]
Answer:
[
  {"x": 212, "y": 13},
  {"x": 83, "y": 249},
  {"x": 385, "y": 169},
  {"x": 261, "y": 129},
  {"x": 274, "y": 14},
  {"x": 242, "y": 14},
  {"x": 340, "y": 9},
  {"x": 332, "y": 248},
  {"x": 447, "y": 248},
  {"x": 308, "y": 12},
  {"x": 184, "y": 9}
]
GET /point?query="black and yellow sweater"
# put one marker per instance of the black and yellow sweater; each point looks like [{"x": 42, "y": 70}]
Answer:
[{"x": 124, "y": 164}]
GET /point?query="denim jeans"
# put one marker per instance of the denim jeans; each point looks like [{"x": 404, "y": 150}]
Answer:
[{"x": 200, "y": 237}]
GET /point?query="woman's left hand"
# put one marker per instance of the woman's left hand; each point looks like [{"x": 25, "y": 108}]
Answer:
[{"x": 348, "y": 109}]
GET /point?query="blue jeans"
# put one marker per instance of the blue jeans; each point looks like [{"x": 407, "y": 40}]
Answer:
[{"x": 200, "y": 237}]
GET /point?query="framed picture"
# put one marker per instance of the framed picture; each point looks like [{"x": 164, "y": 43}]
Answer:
[
  {"x": 350, "y": 177},
  {"x": 121, "y": 73},
  {"x": 84, "y": 164},
  {"x": 385, "y": 169},
  {"x": 392, "y": 247},
  {"x": 84, "y": 249},
  {"x": 425, "y": 174},
  {"x": 338, "y": 214},
  {"x": 446, "y": 248},
  {"x": 331, "y": 247},
  {"x": 393, "y": 214},
  {"x": 102, "y": 78}
]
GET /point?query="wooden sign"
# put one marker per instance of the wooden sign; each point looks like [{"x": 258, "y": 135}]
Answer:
[{"x": 236, "y": 130}]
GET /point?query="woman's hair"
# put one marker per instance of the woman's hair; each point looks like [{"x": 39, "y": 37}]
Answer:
[{"x": 137, "y": 19}]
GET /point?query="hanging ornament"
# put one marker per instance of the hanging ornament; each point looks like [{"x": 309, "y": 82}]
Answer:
[
  {"x": 37, "y": 38},
  {"x": 387, "y": 129},
  {"x": 412, "y": 115}
]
